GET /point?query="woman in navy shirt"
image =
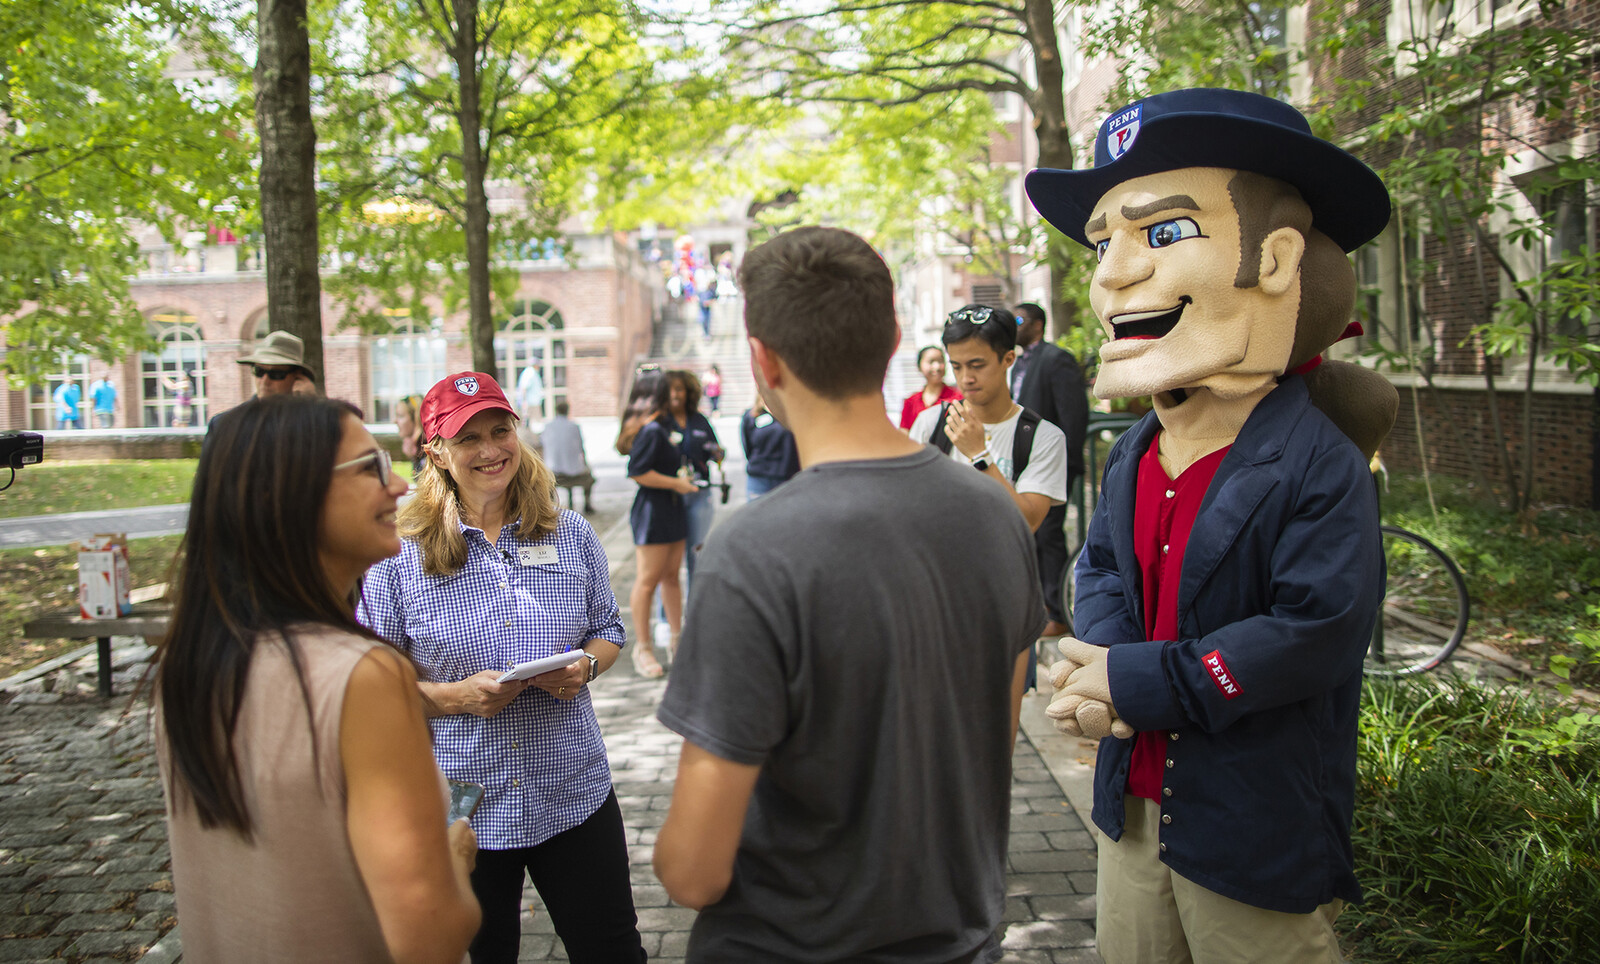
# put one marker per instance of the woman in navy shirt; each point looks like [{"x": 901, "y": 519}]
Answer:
[
  {"x": 660, "y": 518},
  {"x": 770, "y": 455}
]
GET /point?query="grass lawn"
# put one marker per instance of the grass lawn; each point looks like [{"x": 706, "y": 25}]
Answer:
[
  {"x": 51, "y": 487},
  {"x": 34, "y": 581}
]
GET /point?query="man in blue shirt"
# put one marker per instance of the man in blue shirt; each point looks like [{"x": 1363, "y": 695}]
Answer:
[
  {"x": 67, "y": 397},
  {"x": 104, "y": 395}
]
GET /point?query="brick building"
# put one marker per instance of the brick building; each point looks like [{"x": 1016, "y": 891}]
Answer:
[
  {"x": 579, "y": 326},
  {"x": 1425, "y": 290}
]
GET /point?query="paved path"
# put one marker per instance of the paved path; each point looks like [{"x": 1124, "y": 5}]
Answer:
[{"x": 85, "y": 875}]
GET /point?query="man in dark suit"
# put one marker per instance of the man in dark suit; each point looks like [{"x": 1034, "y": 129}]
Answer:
[{"x": 1047, "y": 380}]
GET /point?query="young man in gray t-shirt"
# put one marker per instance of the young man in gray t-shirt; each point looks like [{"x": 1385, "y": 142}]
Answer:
[{"x": 849, "y": 685}]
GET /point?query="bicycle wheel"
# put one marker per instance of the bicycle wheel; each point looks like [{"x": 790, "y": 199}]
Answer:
[{"x": 1424, "y": 609}]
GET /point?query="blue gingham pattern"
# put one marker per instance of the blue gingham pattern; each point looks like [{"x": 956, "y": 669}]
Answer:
[{"x": 541, "y": 760}]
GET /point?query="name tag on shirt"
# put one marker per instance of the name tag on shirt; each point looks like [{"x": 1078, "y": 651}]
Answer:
[{"x": 536, "y": 555}]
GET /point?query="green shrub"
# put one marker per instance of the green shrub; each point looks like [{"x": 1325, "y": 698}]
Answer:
[{"x": 1473, "y": 842}]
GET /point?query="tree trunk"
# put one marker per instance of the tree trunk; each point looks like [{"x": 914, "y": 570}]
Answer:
[
  {"x": 1049, "y": 108},
  {"x": 288, "y": 174},
  {"x": 473, "y": 164}
]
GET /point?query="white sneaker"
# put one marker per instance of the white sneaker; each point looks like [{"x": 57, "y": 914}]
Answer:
[{"x": 662, "y": 635}]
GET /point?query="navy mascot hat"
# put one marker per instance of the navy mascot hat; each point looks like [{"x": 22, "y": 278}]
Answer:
[{"x": 1209, "y": 127}]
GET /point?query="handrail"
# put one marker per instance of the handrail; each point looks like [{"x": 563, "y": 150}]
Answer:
[{"x": 1099, "y": 422}]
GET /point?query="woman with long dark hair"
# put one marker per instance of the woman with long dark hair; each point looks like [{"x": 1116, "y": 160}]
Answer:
[
  {"x": 306, "y": 814},
  {"x": 494, "y": 574}
]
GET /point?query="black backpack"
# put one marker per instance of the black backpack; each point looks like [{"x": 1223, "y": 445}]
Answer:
[{"x": 1021, "y": 442}]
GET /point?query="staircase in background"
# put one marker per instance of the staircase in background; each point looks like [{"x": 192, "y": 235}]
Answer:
[{"x": 678, "y": 343}]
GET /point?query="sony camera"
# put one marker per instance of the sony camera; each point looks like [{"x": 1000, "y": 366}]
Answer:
[{"x": 21, "y": 448}]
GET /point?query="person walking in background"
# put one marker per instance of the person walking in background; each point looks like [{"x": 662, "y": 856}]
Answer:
[
  {"x": 305, "y": 813},
  {"x": 182, "y": 388},
  {"x": 278, "y": 365},
  {"x": 660, "y": 521},
  {"x": 930, "y": 362},
  {"x": 562, "y": 444},
  {"x": 493, "y": 573},
  {"x": 409, "y": 428},
  {"x": 1046, "y": 379},
  {"x": 844, "y": 787},
  {"x": 530, "y": 395},
  {"x": 711, "y": 385},
  {"x": 770, "y": 455},
  {"x": 705, "y": 294},
  {"x": 67, "y": 396},
  {"x": 104, "y": 396}
]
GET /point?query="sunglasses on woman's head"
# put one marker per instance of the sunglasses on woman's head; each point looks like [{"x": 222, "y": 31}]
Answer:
[
  {"x": 380, "y": 459},
  {"x": 276, "y": 374},
  {"x": 973, "y": 316}
]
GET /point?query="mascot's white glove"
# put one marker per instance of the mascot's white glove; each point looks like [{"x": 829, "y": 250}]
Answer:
[{"x": 1083, "y": 693}]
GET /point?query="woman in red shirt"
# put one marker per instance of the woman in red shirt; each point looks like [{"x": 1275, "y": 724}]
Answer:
[{"x": 930, "y": 361}]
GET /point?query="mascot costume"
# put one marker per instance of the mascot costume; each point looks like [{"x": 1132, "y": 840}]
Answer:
[{"x": 1232, "y": 571}]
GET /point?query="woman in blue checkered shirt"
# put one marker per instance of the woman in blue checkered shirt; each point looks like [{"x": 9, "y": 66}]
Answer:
[{"x": 492, "y": 573}]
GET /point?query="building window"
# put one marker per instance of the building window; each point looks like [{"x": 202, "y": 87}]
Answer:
[
  {"x": 172, "y": 381},
  {"x": 405, "y": 362},
  {"x": 42, "y": 398},
  {"x": 1389, "y": 299},
  {"x": 1564, "y": 209},
  {"x": 531, "y": 354}
]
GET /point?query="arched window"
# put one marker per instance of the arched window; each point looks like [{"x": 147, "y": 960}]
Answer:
[
  {"x": 531, "y": 353},
  {"x": 41, "y": 398},
  {"x": 172, "y": 381},
  {"x": 407, "y": 361}
]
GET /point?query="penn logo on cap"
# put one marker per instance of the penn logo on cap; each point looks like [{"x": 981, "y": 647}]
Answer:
[
  {"x": 1122, "y": 129},
  {"x": 467, "y": 385}
]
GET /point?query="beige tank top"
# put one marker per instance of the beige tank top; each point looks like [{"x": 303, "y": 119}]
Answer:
[{"x": 293, "y": 894}]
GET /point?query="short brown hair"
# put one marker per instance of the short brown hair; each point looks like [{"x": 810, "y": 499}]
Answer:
[{"x": 823, "y": 301}]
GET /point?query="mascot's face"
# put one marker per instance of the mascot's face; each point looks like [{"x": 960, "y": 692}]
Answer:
[{"x": 1165, "y": 292}]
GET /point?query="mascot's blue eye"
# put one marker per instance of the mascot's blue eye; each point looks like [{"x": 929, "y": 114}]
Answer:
[
  {"x": 1100, "y": 249},
  {"x": 1171, "y": 232}
]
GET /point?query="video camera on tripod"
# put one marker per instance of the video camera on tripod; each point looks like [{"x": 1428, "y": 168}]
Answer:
[{"x": 18, "y": 449}]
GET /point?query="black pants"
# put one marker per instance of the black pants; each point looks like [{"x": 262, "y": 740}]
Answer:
[
  {"x": 582, "y": 876},
  {"x": 1050, "y": 542}
]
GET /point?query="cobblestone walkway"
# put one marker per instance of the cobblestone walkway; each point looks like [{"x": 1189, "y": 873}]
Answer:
[
  {"x": 83, "y": 843},
  {"x": 85, "y": 873}
]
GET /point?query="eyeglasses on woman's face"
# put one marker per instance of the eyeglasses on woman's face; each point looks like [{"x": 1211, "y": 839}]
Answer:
[
  {"x": 381, "y": 463},
  {"x": 972, "y": 316}
]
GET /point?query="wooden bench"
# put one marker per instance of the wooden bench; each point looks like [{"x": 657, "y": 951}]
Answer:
[{"x": 149, "y": 618}]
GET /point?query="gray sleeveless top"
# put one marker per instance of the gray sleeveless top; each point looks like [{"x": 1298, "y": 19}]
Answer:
[{"x": 293, "y": 894}]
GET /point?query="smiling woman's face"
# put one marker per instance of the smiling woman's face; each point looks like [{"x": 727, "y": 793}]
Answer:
[
  {"x": 1164, "y": 290},
  {"x": 483, "y": 457}
]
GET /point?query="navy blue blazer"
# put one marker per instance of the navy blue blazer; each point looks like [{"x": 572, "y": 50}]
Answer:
[{"x": 1282, "y": 578}]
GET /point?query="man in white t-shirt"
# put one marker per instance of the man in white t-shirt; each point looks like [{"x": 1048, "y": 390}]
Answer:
[{"x": 982, "y": 427}]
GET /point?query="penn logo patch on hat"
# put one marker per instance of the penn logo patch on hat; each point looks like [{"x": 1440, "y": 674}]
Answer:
[
  {"x": 467, "y": 385},
  {"x": 1122, "y": 129}
]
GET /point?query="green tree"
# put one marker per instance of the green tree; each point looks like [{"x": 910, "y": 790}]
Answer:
[
  {"x": 433, "y": 105},
  {"x": 288, "y": 174},
  {"x": 98, "y": 139},
  {"x": 923, "y": 72}
]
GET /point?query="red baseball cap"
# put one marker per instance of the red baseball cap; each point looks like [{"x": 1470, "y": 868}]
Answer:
[{"x": 454, "y": 399}]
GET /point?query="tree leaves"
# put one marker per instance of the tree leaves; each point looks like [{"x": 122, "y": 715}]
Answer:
[{"x": 107, "y": 127}]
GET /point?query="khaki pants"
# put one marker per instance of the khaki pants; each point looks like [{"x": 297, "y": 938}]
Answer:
[{"x": 1146, "y": 914}]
